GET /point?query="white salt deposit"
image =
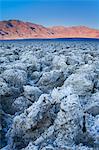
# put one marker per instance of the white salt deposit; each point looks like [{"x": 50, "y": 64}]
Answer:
[{"x": 49, "y": 95}]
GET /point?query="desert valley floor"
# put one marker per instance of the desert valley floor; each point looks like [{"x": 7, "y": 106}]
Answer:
[{"x": 49, "y": 95}]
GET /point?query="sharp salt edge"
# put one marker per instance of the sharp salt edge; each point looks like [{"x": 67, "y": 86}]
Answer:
[{"x": 49, "y": 95}]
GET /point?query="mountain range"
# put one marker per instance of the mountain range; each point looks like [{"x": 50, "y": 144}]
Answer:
[{"x": 16, "y": 29}]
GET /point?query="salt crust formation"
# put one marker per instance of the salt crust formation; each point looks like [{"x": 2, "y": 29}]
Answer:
[{"x": 49, "y": 95}]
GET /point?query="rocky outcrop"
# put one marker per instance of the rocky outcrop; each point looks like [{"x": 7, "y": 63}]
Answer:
[
  {"x": 49, "y": 95},
  {"x": 16, "y": 29}
]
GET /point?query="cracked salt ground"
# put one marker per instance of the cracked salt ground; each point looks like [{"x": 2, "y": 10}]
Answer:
[{"x": 49, "y": 95}]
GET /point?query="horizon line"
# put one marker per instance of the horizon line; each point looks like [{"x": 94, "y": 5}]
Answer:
[{"x": 49, "y": 26}]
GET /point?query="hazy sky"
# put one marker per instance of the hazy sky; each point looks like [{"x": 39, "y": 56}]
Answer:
[{"x": 52, "y": 12}]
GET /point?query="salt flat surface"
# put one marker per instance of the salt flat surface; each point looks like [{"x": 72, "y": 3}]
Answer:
[{"x": 49, "y": 95}]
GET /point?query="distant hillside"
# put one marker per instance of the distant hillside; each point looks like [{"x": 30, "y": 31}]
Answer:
[{"x": 16, "y": 29}]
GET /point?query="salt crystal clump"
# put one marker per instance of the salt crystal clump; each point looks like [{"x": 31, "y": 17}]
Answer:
[
  {"x": 25, "y": 123},
  {"x": 59, "y": 62},
  {"x": 61, "y": 92},
  {"x": 20, "y": 104},
  {"x": 35, "y": 76},
  {"x": 30, "y": 60},
  {"x": 32, "y": 93},
  {"x": 74, "y": 59},
  {"x": 79, "y": 83},
  {"x": 4, "y": 89},
  {"x": 3, "y": 60},
  {"x": 15, "y": 77},
  {"x": 51, "y": 79},
  {"x": 92, "y": 125},
  {"x": 67, "y": 123},
  {"x": 92, "y": 106},
  {"x": 32, "y": 115}
]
